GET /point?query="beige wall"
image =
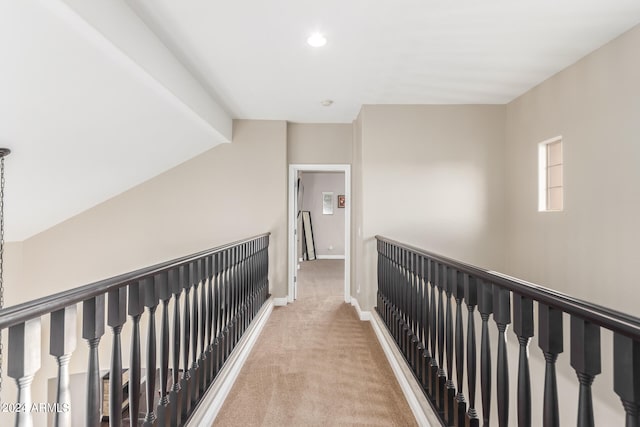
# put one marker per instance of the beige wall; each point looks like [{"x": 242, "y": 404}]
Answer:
[
  {"x": 230, "y": 192},
  {"x": 591, "y": 246},
  {"x": 432, "y": 177},
  {"x": 12, "y": 272},
  {"x": 313, "y": 143},
  {"x": 590, "y": 250},
  {"x": 328, "y": 230}
]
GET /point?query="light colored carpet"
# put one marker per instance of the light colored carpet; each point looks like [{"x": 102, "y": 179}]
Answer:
[{"x": 316, "y": 364}]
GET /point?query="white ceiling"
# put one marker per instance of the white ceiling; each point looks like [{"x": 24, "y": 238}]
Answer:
[
  {"x": 87, "y": 119},
  {"x": 253, "y": 55}
]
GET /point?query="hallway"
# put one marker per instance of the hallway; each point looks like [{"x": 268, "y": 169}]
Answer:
[{"x": 316, "y": 363}]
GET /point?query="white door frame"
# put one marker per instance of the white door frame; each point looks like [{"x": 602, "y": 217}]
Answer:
[{"x": 293, "y": 256}]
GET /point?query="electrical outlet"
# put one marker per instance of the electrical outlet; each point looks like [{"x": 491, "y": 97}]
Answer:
[{"x": 330, "y": 247}]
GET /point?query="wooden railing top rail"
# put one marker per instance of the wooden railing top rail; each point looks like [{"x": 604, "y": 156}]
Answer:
[
  {"x": 613, "y": 320},
  {"x": 20, "y": 313}
]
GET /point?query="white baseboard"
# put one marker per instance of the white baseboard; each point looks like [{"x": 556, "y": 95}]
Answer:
[
  {"x": 330, "y": 256},
  {"x": 362, "y": 315},
  {"x": 416, "y": 399},
  {"x": 211, "y": 403},
  {"x": 278, "y": 302}
]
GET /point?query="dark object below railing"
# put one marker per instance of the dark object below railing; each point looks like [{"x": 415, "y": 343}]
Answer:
[
  {"x": 223, "y": 288},
  {"x": 411, "y": 283}
]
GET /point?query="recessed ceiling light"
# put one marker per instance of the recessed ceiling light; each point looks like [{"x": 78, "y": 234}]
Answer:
[
  {"x": 327, "y": 103},
  {"x": 317, "y": 40}
]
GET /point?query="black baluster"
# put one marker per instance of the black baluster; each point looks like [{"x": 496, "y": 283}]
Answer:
[
  {"x": 523, "y": 328},
  {"x": 459, "y": 404},
  {"x": 413, "y": 298},
  {"x": 424, "y": 296},
  {"x": 62, "y": 343},
  {"x": 117, "y": 316},
  {"x": 388, "y": 292},
  {"x": 550, "y": 340},
  {"x": 390, "y": 296},
  {"x": 161, "y": 281},
  {"x": 226, "y": 307},
  {"x": 202, "y": 357},
  {"x": 175, "y": 397},
  {"x": 485, "y": 307},
  {"x": 471, "y": 299},
  {"x": 397, "y": 298},
  {"x": 234, "y": 300},
  {"x": 223, "y": 308},
  {"x": 265, "y": 269},
  {"x": 92, "y": 331},
  {"x": 393, "y": 286},
  {"x": 217, "y": 313},
  {"x": 229, "y": 305},
  {"x": 403, "y": 301},
  {"x": 135, "y": 309},
  {"x": 151, "y": 302},
  {"x": 380, "y": 291},
  {"x": 243, "y": 290},
  {"x": 210, "y": 333},
  {"x": 194, "y": 278},
  {"x": 442, "y": 375},
  {"x": 406, "y": 286},
  {"x": 450, "y": 277},
  {"x": 22, "y": 365},
  {"x": 250, "y": 284},
  {"x": 585, "y": 359},
  {"x": 433, "y": 316},
  {"x": 419, "y": 321},
  {"x": 384, "y": 294},
  {"x": 502, "y": 317},
  {"x": 186, "y": 340},
  {"x": 626, "y": 376}
]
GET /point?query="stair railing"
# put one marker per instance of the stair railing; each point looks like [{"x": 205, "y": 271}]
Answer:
[
  {"x": 222, "y": 289},
  {"x": 414, "y": 299}
]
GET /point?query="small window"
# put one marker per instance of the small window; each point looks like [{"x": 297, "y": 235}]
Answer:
[{"x": 550, "y": 180}]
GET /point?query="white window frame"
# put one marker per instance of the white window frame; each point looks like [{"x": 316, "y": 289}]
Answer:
[{"x": 543, "y": 187}]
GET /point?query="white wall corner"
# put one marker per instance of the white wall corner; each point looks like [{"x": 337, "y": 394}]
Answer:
[
  {"x": 420, "y": 406},
  {"x": 279, "y": 302},
  {"x": 365, "y": 316}
]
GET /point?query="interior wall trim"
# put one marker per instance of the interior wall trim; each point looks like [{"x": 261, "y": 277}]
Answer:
[
  {"x": 362, "y": 315},
  {"x": 412, "y": 390}
]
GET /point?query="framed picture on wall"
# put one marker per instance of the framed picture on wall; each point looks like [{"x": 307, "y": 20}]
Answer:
[{"x": 341, "y": 200}]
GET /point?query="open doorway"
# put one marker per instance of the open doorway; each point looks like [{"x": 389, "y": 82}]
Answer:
[{"x": 326, "y": 247}]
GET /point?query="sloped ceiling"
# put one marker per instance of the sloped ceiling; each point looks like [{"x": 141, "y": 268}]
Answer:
[
  {"x": 99, "y": 96},
  {"x": 85, "y": 119}
]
